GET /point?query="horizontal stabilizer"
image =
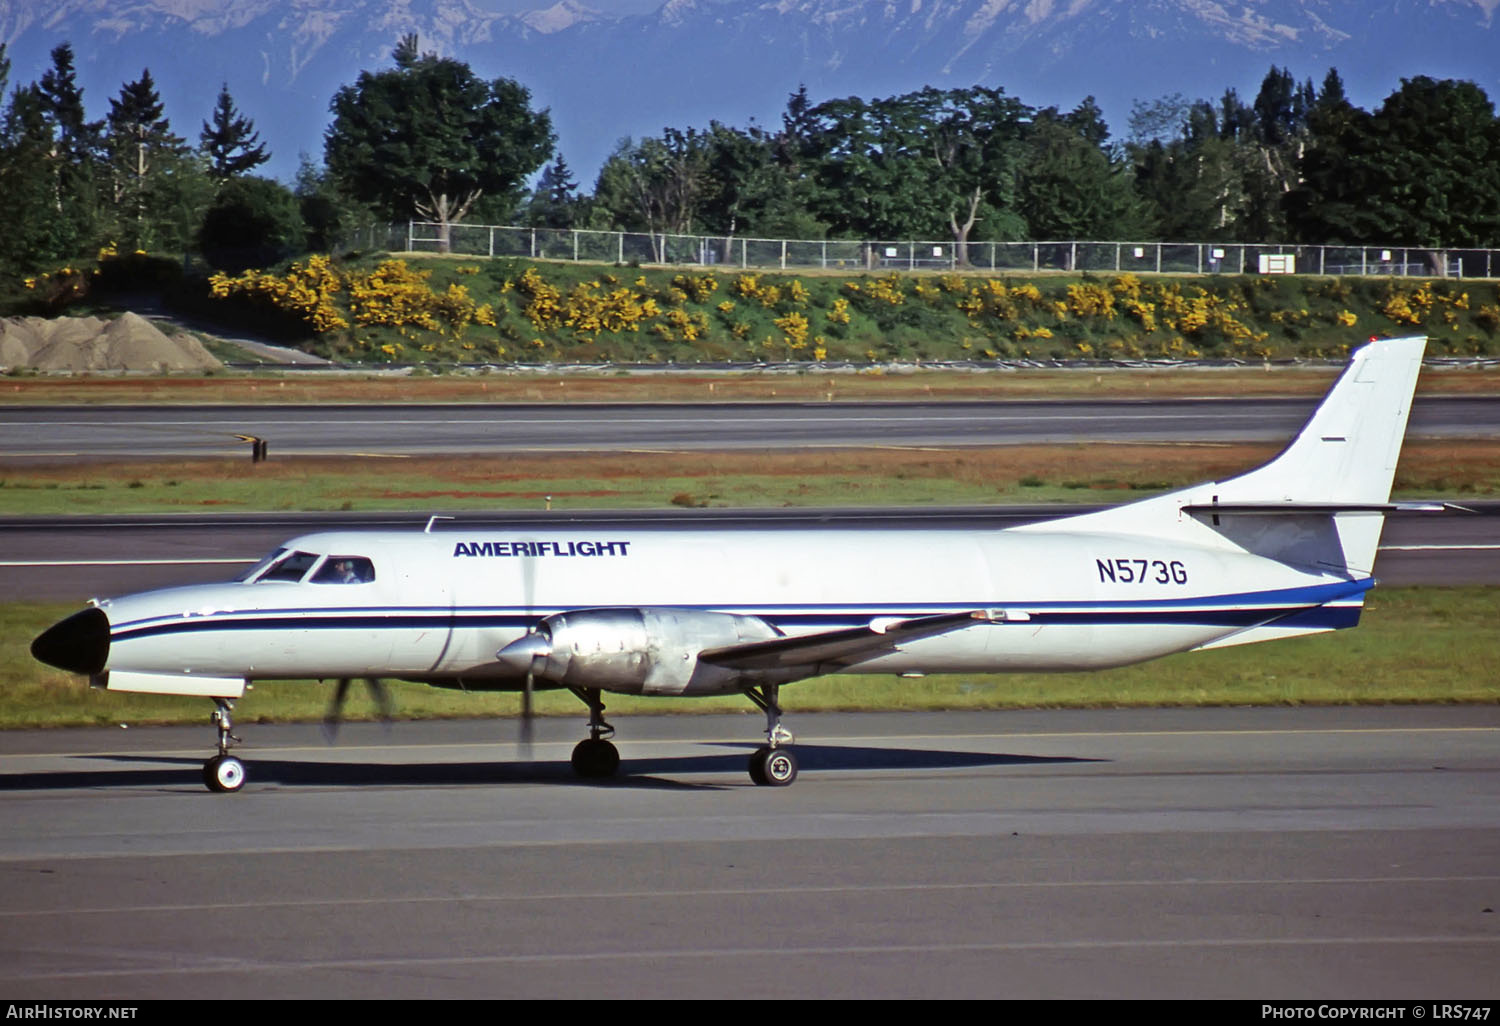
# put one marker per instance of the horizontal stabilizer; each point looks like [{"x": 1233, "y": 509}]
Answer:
[
  {"x": 1320, "y": 508},
  {"x": 848, "y": 645}
]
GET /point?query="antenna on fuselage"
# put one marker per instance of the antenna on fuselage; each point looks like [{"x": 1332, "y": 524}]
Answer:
[{"x": 434, "y": 519}]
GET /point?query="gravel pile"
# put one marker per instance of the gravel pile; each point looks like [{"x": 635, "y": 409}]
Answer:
[{"x": 127, "y": 343}]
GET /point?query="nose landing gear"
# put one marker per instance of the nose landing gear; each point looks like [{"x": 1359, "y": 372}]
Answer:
[{"x": 224, "y": 774}]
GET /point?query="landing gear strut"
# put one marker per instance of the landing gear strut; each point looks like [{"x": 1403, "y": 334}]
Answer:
[
  {"x": 595, "y": 756},
  {"x": 772, "y": 765},
  {"x": 224, "y": 773}
]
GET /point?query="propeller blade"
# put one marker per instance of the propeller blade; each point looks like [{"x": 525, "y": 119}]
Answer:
[
  {"x": 334, "y": 718},
  {"x": 382, "y": 699},
  {"x": 527, "y": 725},
  {"x": 335, "y": 714}
]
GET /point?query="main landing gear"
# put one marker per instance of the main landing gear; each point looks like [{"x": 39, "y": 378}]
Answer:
[
  {"x": 772, "y": 765},
  {"x": 224, "y": 773},
  {"x": 595, "y": 757}
]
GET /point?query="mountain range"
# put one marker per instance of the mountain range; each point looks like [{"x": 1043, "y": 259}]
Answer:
[{"x": 608, "y": 74}]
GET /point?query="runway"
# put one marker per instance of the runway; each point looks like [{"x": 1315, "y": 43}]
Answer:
[
  {"x": 1244, "y": 853},
  {"x": 118, "y": 432}
]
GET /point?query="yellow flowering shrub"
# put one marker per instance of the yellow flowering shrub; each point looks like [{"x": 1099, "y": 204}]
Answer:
[
  {"x": 306, "y": 290},
  {"x": 794, "y": 327},
  {"x": 1091, "y": 300},
  {"x": 699, "y": 286}
]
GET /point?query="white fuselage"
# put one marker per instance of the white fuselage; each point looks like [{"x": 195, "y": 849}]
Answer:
[{"x": 440, "y": 605}]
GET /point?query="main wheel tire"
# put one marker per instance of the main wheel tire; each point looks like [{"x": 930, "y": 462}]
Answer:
[
  {"x": 224, "y": 774},
  {"x": 773, "y": 767},
  {"x": 781, "y": 767},
  {"x": 595, "y": 758}
]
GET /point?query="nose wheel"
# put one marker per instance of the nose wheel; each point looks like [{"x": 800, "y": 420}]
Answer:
[{"x": 224, "y": 774}]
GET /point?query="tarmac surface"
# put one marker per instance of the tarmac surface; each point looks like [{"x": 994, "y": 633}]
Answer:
[{"x": 1221, "y": 853}]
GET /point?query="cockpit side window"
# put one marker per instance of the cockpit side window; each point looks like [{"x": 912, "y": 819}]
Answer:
[
  {"x": 292, "y": 568},
  {"x": 345, "y": 570}
]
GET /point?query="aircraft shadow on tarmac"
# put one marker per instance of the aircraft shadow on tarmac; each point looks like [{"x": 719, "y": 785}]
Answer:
[{"x": 655, "y": 773}]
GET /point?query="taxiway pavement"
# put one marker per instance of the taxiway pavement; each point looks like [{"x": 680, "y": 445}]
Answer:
[
  {"x": 123, "y": 432},
  {"x": 1245, "y": 853}
]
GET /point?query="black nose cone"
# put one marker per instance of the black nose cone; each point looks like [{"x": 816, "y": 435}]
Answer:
[{"x": 79, "y": 644}]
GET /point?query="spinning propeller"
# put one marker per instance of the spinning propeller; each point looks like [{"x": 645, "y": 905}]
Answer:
[
  {"x": 528, "y": 690},
  {"x": 335, "y": 715}
]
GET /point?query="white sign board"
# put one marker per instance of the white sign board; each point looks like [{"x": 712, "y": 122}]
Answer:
[{"x": 1278, "y": 263}]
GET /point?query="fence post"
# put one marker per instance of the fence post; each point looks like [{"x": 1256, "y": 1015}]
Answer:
[
  {"x": 575, "y": 245},
  {"x": 783, "y": 254}
]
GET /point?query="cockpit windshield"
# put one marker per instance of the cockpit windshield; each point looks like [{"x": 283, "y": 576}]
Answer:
[
  {"x": 292, "y": 567},
  {"x": 289, "y": 565},
  {"x": 259, "y": 568}
]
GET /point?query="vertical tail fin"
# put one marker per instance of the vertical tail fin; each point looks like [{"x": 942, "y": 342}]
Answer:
[
  {"x": 1347, "y": 451},
  {"x": 1318, "y": 503}
]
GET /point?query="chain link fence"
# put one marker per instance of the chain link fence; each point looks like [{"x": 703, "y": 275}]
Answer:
[{"x": 850, "y": 255}]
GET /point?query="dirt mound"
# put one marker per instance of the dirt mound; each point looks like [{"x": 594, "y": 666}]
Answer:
[{"x": 128, "y": 343}]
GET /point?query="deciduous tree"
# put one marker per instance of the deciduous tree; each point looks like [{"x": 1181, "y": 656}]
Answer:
[{"x": 428, "y": 138}]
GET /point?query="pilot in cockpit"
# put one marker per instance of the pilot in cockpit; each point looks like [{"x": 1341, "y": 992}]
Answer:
[{"x": 345, "y": 570}]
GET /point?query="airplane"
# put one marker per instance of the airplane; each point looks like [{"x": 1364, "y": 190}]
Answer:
[{"x": 1281, "y": 551}]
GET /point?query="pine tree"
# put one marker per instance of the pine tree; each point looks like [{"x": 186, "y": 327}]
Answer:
[
  {"x": 34, "y": 234},
  {"x": 555, "y": 198},
  {"x": 143, "y": 154},
  {"x": 75, "y": 154},
  {"x": 231, "y": 143}
]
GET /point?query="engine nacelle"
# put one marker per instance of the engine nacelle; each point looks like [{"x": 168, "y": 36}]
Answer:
[{"x": 649, "y": 651}]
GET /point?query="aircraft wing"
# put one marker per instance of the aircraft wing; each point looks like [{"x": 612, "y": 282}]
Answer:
[{"x": 850, "y": 644}]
